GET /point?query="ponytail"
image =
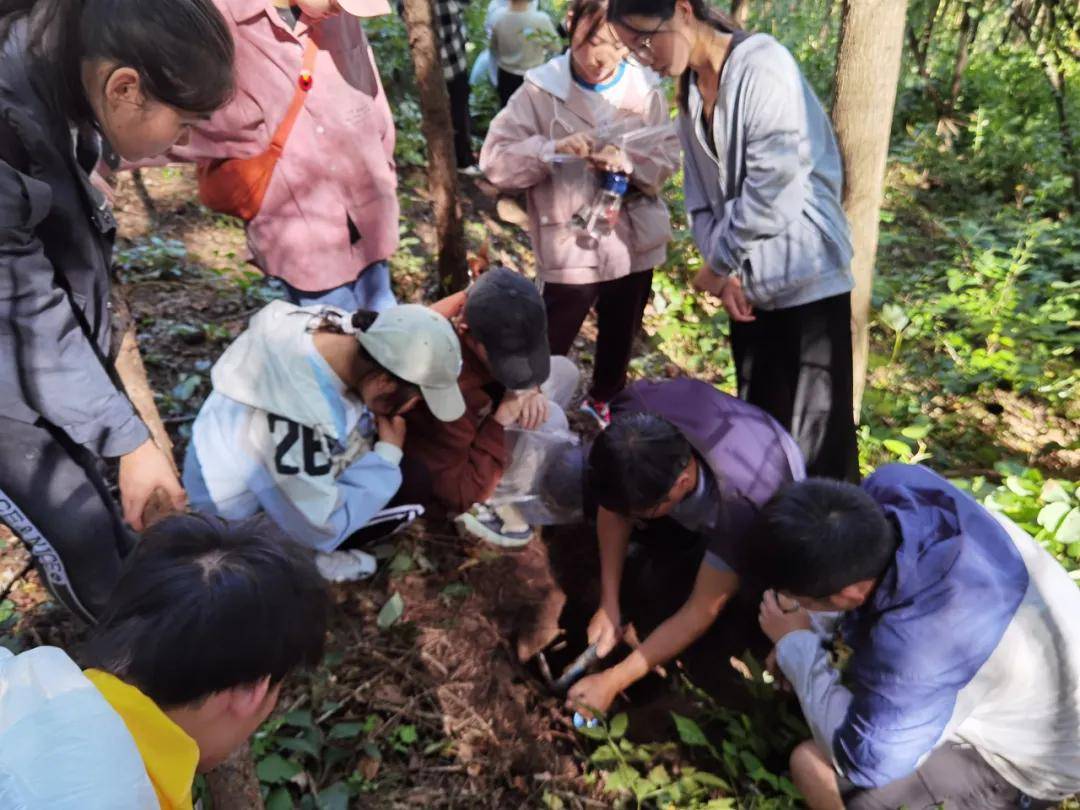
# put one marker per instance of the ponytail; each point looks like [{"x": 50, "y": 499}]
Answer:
[
  {"x": 665, "y": 10},
  {"x": 181, "y": 49}
]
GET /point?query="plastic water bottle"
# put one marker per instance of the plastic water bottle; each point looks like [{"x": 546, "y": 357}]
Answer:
[{"x": 598, "y": 218}]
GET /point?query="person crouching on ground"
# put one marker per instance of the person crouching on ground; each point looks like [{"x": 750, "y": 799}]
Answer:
[
  {"x": 679, "y": 449},
  {"x": 306, "y": 423},
  {"x": 963, "y": 685},
  {"x": 206, "y": 621},
  {"x": 514, "y": 390}
]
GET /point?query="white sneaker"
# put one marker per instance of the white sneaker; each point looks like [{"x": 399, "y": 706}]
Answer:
[
  {"x": 500, "y": 525},
  {"x": 351, "y": 565},
  {"x": 471, "y": 171}
]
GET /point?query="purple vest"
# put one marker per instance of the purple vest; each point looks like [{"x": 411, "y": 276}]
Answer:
[{"x": 750, "y": 455}]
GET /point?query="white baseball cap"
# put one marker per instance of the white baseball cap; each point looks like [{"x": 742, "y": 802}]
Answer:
[
  {"x": 365, "y": 8},
  {"x": 420, "y": 346}
]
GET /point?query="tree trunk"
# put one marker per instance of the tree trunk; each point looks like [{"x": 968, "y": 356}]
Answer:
[
  {"x": 438, "y": 132},
  {"x": 233, "y": 785},
  {"x": 740, "y": 11},
  {"x": 129, "y": 367},
  {"x": 1051, "y": 63},
  {"x": 969, "y": 27},
  {"x": 867, "y": 72}
]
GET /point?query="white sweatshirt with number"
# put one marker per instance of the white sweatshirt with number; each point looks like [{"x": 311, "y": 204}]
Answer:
[{"x": 282, "y": 433}]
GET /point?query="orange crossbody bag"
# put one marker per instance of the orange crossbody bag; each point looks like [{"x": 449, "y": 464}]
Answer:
[{"x": 237, "y": 186}]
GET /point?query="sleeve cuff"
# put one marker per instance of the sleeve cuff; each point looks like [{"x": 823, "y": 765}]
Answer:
[
  {"x": 390, "y": 452},
  {"x": 796, "y": 653},
  {"x": 116, "y": 442}
]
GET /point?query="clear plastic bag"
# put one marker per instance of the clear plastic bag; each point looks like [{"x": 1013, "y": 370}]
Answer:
[{"x": 544, "y": 478}]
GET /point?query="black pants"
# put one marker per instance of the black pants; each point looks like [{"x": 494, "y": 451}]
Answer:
[
  {"x": 508, "y": 85},
  {"x": 795, "y": 364},
  {"x": 405, "y": 507},
  {"x": 619, "y": 307},
  {"x": 460, "y": 119},
  {"x": 55, "y": 500}
]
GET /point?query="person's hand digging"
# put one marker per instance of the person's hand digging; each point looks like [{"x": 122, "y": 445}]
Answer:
[
  {"x": 593, "y": 694},
  {"x": 143, "y": 471}
]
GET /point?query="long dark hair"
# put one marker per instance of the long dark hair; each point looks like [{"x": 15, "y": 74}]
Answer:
[
  {"x": 665, "y": 10},
  {"x": 181, "y": 49},
  {"x": 584, "y": 9}
]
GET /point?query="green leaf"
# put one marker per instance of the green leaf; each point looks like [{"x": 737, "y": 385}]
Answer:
[
  {"x": 1054, "y": 492},
  {"x": 659, "y": 776},
  {"x": 711, "y": 780},
  {"x": 279, "y": 799},
  {"x": 7, "y": 610},
  {"x": 335, "y": 797},
  {"x": 391, "y": 611},
  {"x": 301, "y": 718},
  {"x": 593, "y": 732},
  {"x": 915, "y": 432},
  {"x": 345, "y": 731},
  {"x": 298, "y": 744},
  {"x": 689, "y": 731},
  {"x": 1051, "y": 515},
  {"x": 618, "y": 725},
  {"x": 407, "y": 734},
  {"x": 605, "y": 753},
  {"x": 897, "y": 447},
  {"x": 275, "y": 769},
  {"x": 402, "y": 563},
  {"x": 1068, "y": 530},
  {"x": 894, "y": 317},
  {"x": 457, "y": 590}
]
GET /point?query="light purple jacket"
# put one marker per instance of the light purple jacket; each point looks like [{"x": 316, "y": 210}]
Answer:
[{"x": 519, "y": 154}]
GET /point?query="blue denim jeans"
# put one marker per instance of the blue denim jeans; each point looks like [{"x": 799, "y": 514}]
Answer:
[{"x": 371, "y": 290}]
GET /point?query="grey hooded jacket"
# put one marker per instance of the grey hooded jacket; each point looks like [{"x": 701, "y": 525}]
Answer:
[
  {"x": 56, "y": 236},
  {"x": 769, "y": 209}
]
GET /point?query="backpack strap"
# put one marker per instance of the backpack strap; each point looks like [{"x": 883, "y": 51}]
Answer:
[{"x": 303, "y": 85}]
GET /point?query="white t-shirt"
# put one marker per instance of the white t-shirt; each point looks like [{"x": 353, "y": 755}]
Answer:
[{"x": 522, "y": 40}]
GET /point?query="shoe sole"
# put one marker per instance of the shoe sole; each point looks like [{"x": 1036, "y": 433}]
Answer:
[{"x": 474, "y": 528}]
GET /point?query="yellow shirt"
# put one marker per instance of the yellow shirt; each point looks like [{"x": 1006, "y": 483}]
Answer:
[{"x": 169, "y": 755}]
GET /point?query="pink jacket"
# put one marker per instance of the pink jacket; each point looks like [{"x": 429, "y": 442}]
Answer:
[
  {"x": 339, "y": 160},
  {"x": 519, "y": 153}
]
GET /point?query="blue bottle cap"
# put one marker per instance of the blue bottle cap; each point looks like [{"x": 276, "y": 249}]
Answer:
[{"x": 616, "y": 182}]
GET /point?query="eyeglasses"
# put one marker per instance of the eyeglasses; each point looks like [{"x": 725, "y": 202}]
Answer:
[{"x": 640, "y": 43}]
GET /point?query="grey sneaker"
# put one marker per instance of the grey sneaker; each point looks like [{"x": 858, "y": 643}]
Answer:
[
  {"x": 499, "y": 525},
  {"x": 351, "y": 565}
]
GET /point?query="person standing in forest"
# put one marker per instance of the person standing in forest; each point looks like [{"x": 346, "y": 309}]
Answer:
[
  {"x": 74, "y": 74},
  {"x": 522, "y": 37},
  {"x": 763, "y": 180},
  {"x": 327, "y": 222},
  {"x": 450, "y": 26}
]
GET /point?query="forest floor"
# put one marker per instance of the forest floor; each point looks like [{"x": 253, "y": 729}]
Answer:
[{"x": 423, "y": 699}]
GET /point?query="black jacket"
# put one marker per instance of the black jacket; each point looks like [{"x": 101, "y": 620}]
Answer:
[{"x": 56, "y": 238}]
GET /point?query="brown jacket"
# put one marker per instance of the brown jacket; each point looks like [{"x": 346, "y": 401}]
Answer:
[{"x": 466, "y": 457}]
